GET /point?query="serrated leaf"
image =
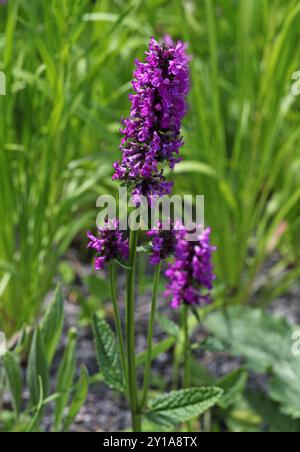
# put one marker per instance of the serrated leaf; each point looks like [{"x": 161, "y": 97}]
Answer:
[
  {"x": 250, "y": 333},
  {"x": 52, "y": 324},
  {"x": 108, "y": 354},
  {"x": 233, "y": 385},
  {"x": 14, "y": 377},
  {"x": 182, "y": 406},
  {"x": 285, "y": 388},
  {"x": 78, "y": 399},
  {"x": 265, "y": 342},
  {"x": 37, "y": 368},
  {"x": 269, "y": 411},
  {"x": 65, "y": 378}
]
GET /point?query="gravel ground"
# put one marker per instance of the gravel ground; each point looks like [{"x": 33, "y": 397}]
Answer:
[{"x": 106, "y": 411}]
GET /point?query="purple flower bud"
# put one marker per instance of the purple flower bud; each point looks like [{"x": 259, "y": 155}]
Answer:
[
  {"x": 152, "y": 131},
  {"x": 109, "y": 244},
  {"x": 191, "y": 274}
]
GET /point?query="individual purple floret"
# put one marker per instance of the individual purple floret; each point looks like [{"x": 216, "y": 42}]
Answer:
[
  {"x": 152, "y": 131},
  {"x": 191, "y": 274},
  {"x": 109, "y": 244}
]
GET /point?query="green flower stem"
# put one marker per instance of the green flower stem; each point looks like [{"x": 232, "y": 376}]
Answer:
[
  {"x": 150, "y": 335},
  {"x": 187, "y": 350},
  {"x": 187, "y": 353},
  {"x": 113, "y": 292},
  {"x": 178, "y": 352},
  {"x": 130, "y": 333}
]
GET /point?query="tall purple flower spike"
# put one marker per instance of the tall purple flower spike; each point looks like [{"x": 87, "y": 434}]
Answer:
[
  {"x": 191, "y": 274},
  {"x": 109, "y": 244},
  {"x": 152, "y": 131}
]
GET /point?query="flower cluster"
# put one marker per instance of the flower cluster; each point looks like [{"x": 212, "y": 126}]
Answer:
[
  {"x": 191, "y": 274},
  {"x": 152, "y": 131},
  {"x": 164, "y": 241},
  {"x": 109, "y": 244}
]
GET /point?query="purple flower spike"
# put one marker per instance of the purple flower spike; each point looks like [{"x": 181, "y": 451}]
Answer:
[
  {"x": 109, "y": 244},
  {"x": 191, "y": 274},
  {"x": 151, "y": 134}
]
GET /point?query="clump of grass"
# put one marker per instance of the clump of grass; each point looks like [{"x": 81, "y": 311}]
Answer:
[{"x": 68, "y": 66}]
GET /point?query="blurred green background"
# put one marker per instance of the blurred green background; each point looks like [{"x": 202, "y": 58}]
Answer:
[{"x": 68, "y": 66}]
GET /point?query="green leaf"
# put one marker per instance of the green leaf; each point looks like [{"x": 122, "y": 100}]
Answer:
[
  {"x": 285, "y": 388},
  {"x": 265, "y": 342},
  {"x": 14, "y": 376},
  {"x": 233, "y": 385},
  {"x": 108, "y": 354},
  {"x": 213, "y": 344},
  {"x": 261, "y": 339},
  {"x": 200, "y": 376},
  {"x": 161, "y": 347},
  {"x": 8, "y": 267},
  {"x": 78, "y": 399},
  {"x": 65, "y": 378},
  {"x": 52, "y": 324},
  {"x": 271, "y": 415},
  {"x": 182, "y": 406},
  {"x": 196, "y": 167},
  {"x": 168, "y": 326},
  {"x": 97, "y": 286},
  {"x": 121, "y": 265},
  {"x": 39, "y": 408},
  {"x": 37, "y": 368}
]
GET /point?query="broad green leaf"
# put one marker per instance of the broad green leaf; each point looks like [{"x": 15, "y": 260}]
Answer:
[
  {"x": 78, "y": 399},
  {"x": 265, "y": 342},
  {"x": 52, "y": 324},
  {"x": 233, "y": 385},
  {"x": 261, "y": 339},
  {"x": 37, "y": 368},
  {"x": 65, "y": 378},
  {"x": 269, "y": 411},
  {"x": 285, "y": 387},
  {"x": 108, "y": 354},
  {"x": 183, "y": 405},
  {"x": 14, "y": 377}
]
